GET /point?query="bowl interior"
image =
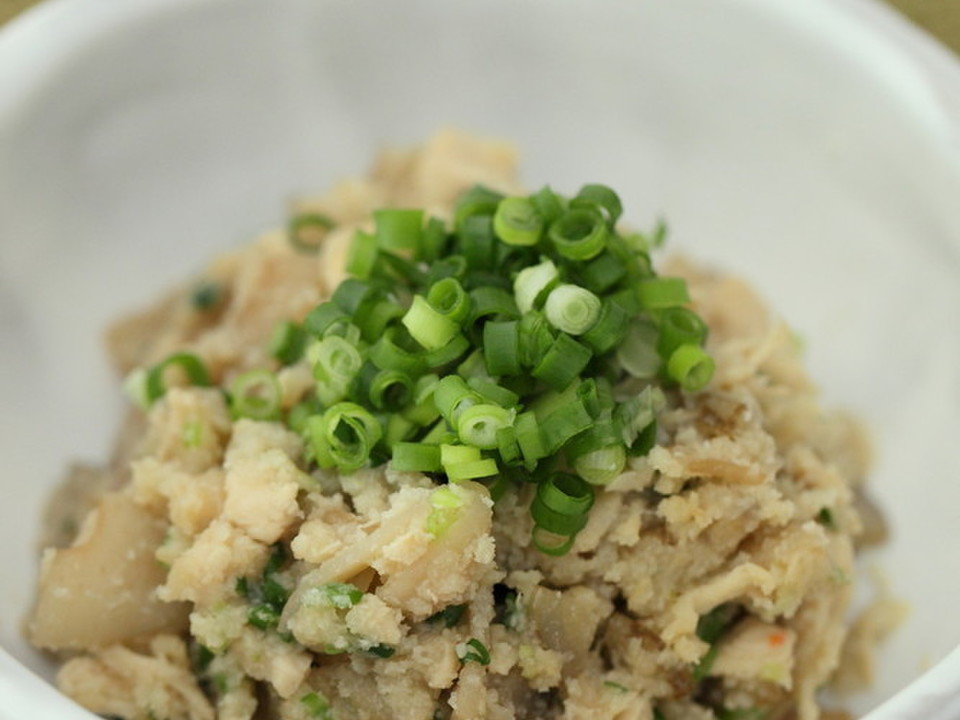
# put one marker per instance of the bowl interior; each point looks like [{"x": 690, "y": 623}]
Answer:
[{"x": 787, "y": 144}]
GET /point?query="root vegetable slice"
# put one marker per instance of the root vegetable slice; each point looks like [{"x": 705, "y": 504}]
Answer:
[{"x": 102, "y": 590}]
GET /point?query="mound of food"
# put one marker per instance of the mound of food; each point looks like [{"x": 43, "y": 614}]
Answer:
[{"x": 475, "y": 459}]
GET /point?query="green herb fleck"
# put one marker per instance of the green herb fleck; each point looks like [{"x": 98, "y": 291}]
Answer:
[
  {"x": 449, "y": 617},
  {"x": 263, "y": 616},
  {"x": 615, "y": 686},
  {"x": 206, "y": 296},
  {"x": 825, "y": 518},
  {"x": 221, "y": 683},
  {"x": 192, "y": 434},
  {"x": 473, "y": 651},
  {"x": 710, "y": 628},
  {"x": 341, "y": 595},
  {"x": 317, "y": 706},
  {"x": 381, "y": 651},
  {"x": 242, "y": 586}
]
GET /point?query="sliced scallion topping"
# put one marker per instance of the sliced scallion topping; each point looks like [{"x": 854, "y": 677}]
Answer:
[
  {"x": 527, "y": 334},
  {"x": 317, "y": 706},
  {"x": 662, "y": 292},
  {"x": 206, "y": 296},
  {"x": 517, "y": 221},
  {"x": 189, "y": 364},
  {"x": 307, "y": 231},
  {"x": 691, "y": 367},
  {"x": 343, "y": 436},
  {"x": 579, "y": 234},
  {"x": 398, "y": 229},
  {"x": 532, "y": 284},
  {"x": 473, "y": 651},
  {"x": 256, "y": 395},
  {"x": 572, "y": 309}
]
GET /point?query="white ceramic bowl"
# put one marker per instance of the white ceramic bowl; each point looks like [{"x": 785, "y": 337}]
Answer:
[{"x": 813, "y": 147}]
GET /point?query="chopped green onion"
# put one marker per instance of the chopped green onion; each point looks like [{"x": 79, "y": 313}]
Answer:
[
  {"x": 256, "y": 395},
  {"x": 602, "y": 198},
  {"x": 362, "y": 256},
  {"x": 381, "y": 651},
  {"x": 263, "y": 616},
  {"x": 558, "y": 427},
  {"x": 825, "y": 518},
  {"x": 335, "y": 363},
  {"x": 399, "y": 428},
  {"x": 529, "y": 439},
  {"x": 433, "y": 240},
  {"x": 449, "y": 617},
  {"x": 507, "y": 446},
  {"x": 496, "y": 394},
  {"x": 645, "y": 441},
  {"x": 473, "y": 651},
  {"x": 473, "y": 366},
  {"x": 416, "y": 457},
  {"x": 323, "y": 318},
  {"x": 536, "y": 338},
  {"x": 389, "y": 389},
  {"x": 501, "y": 347},
  {"x": 562, "y": 363},
  {"x": 604, "y": 271},
  {"x": 566, "y": 493},
  {"x": 572, "y": 309},
  {"x": 637, "y": 352},
  {"x": 428, "y": 326},
  {"x": 398, "y": 229},
  {"x": 478, "y": 424},
  {"x": 691, "y": 367},
  {"x": 287, "y": 343},
  {"x": 452, "y": 396},
  {"x": 532, "y": 284},
  {"x": 477, "y": 241},
  {"x": 556, "y": 522},
  {"x": 579, "y": 234},
  {"x": 206, "y": 296},
  {"x": 679, "y": 326},
  {"x": 601, "y": 466},
  {"x": 550, "y": 543},
  {"x": 343, "y": 436},
  {"x": 448, "y": 297},
  {"x": 485, "y": 467},
  {"x": 338, "y": 594},
  {"x": 307, "y": 231},
  {"x": 389, "y": 352},
  {"x": 373, "y": 317},
  {"x": 517, "y": 221},
  {"x": 447, "y": 354},
  {"x": 637, "y": 412},
  {"x": 188, "y": 363},
  {"x": 488, "y": 301},
  {"x": 662, "y": 292},
  {"x": 135, "y": 387},
  {"x": 445, "y": 502},
  {"x": 549, "y": 205},
  {"x": 710, "y": 628},
  {"x": 489, "y": 348},
  {"x": 610, "y": 328},
  {"x": 317, "y": 706},
  {"x": 352, "y": 294},
  {"x": 454, "y": 266},
  {"x": 478, "y": 200},
  {"x": 464, "y": 462}
]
